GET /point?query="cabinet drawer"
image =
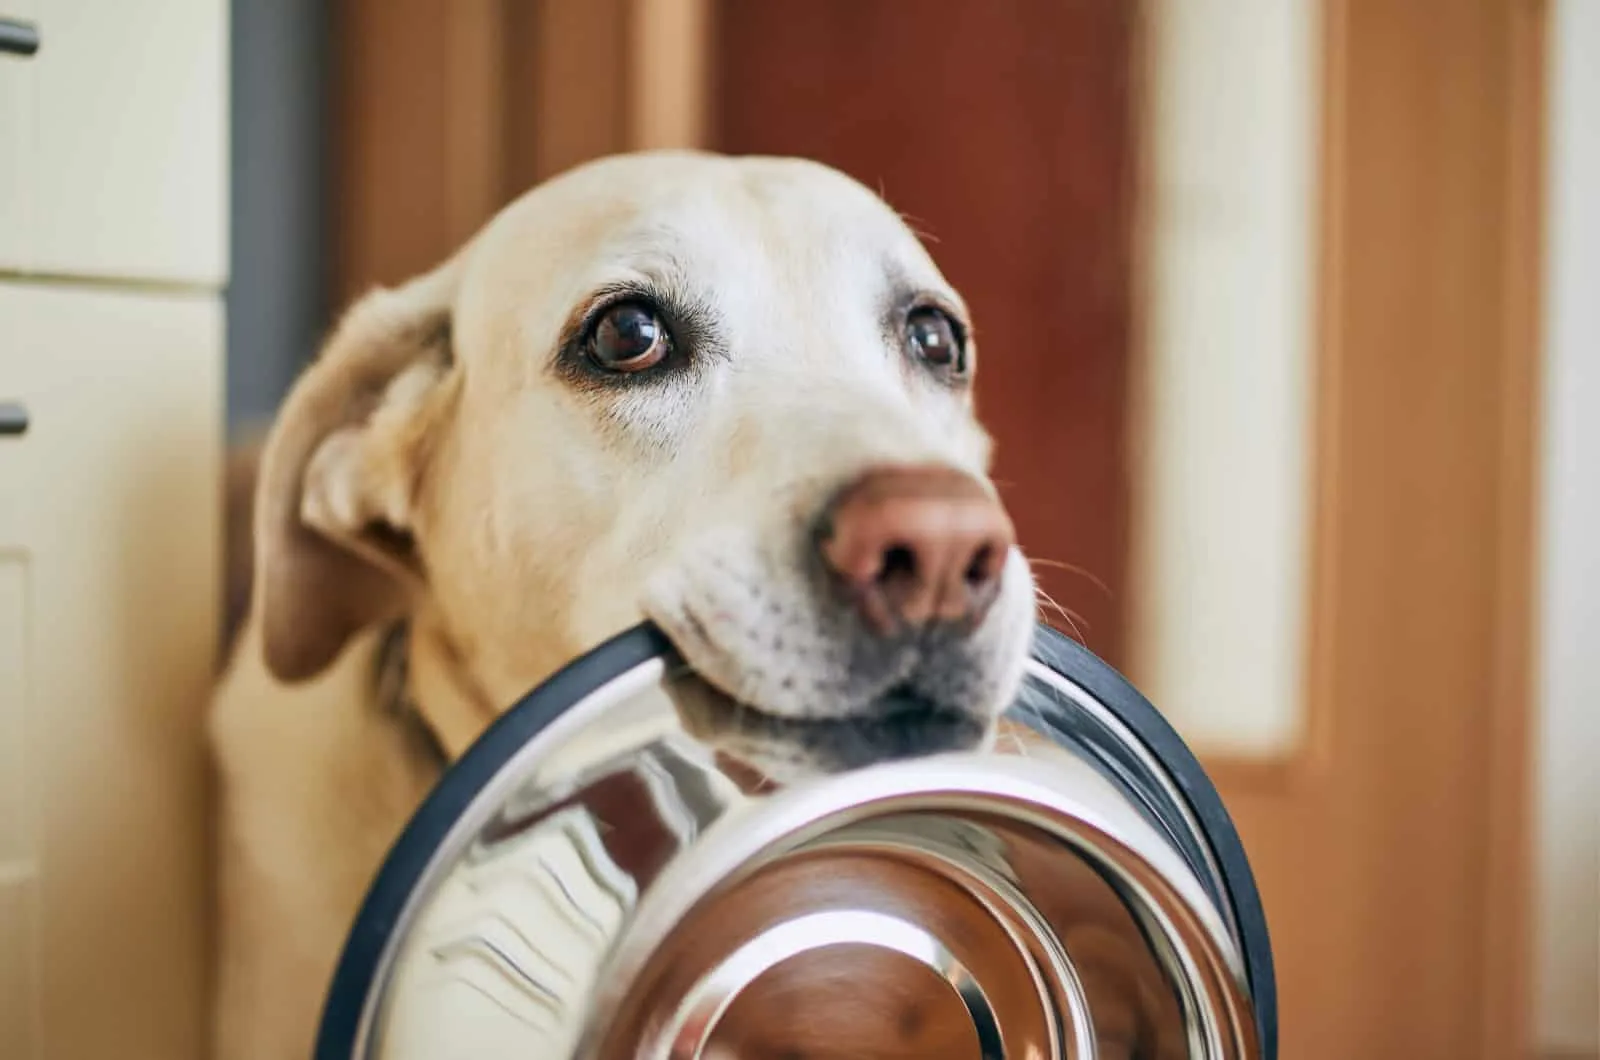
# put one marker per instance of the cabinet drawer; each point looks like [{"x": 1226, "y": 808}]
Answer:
[
  {"x": 122, "y": 116},
  {"x": 108, "y": 596}
]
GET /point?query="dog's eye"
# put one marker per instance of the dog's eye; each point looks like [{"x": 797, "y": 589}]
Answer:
[
  {"x": 629, "y": 337},
  {"x": 933, "y": 336}
]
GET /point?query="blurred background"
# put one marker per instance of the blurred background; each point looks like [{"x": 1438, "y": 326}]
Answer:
[{"x": 1291, "y": 344}]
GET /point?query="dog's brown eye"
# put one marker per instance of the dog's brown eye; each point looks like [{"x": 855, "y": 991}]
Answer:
[
  {"x": 629, "y": 338},
  {"x": 932, "y": 336}
]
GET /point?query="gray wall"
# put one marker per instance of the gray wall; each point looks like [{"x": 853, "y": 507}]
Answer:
[{"x": 277, "y": 310}]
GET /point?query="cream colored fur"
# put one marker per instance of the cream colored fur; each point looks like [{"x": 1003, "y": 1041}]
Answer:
[{"x": 436, "y": 463}]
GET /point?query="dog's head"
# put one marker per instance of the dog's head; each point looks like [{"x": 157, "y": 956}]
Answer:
[{"x": 732, "y": 395}]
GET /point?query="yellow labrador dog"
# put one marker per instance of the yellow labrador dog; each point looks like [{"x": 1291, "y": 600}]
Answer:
[{"x": 730, "y": 395}]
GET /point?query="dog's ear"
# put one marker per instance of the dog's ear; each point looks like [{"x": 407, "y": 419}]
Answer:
[{"x": 339, "y": 476}]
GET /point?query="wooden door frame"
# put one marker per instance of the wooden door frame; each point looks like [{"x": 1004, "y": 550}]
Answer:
[{"x": 1420, "y": 631}]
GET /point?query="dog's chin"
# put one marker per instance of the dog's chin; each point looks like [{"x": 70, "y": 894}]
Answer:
[{"x": 899, "y": 725}]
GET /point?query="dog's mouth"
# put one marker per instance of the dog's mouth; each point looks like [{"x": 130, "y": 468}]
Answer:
[
  {"x": 794, "y": 683},
  {"x": 898, "y": 725}
]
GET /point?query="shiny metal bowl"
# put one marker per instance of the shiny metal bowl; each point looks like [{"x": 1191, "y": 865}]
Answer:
[{"x": 591, "y": 880}]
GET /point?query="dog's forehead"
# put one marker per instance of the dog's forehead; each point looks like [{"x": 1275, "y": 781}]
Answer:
[
  {"x": 736, "y": 230},
  {"x": 773, "y": 207}
]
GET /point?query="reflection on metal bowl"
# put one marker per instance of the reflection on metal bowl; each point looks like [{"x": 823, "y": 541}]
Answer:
[{"x": 591, "y": 880}]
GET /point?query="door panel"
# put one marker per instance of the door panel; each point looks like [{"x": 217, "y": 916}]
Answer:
[{"x": 1224, "y": 394}]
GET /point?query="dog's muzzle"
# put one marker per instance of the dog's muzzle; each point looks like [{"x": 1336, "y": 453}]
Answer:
[{"x": 592, "y": 881}]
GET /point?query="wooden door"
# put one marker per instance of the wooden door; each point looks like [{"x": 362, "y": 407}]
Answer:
[{"x": 1392, "y": 846}]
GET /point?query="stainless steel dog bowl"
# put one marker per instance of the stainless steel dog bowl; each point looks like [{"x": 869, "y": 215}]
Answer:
[{"x": 591, "y": 880}]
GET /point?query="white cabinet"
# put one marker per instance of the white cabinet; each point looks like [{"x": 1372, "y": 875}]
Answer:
[
  {"x": 109, "y": 545},
  {"x": 118, "y": 168},
  {"x": 113, "y": 254}
]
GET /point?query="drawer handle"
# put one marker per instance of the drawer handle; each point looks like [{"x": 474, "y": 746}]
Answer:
[
  {"x": 13, "y": 418},
  {"x": 18, "y": 37}
]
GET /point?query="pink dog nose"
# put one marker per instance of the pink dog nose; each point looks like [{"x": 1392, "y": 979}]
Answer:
[{"x": 917, "y": 545}]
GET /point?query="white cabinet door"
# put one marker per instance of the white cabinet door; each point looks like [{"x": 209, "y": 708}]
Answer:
[
  {"x": 17, "y": 77},
  {"x": 129, "y": 140},
  {"x": 108, "y": 600}
]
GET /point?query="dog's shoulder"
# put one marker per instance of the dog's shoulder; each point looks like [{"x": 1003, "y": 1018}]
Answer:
[{"x": 318, "y": 781}]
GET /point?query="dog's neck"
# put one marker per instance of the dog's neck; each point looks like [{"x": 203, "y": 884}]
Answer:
[{"x": 422, "y": 682}]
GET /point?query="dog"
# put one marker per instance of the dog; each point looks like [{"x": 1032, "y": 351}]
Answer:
[{"x": 733, "y": 396}]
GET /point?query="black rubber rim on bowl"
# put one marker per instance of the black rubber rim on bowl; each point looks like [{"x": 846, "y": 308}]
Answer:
[
  {"x": 359, "y": 963},
  {"x": 1102, "y": 681}
]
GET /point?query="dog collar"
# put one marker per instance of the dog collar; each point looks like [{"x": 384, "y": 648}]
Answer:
[{"x": 392, "y": 691}]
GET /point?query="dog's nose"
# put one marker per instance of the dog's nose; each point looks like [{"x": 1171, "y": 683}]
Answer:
[{"x": 917, "y": 545}]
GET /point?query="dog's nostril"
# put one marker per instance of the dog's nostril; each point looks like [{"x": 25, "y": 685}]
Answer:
[
  {"x": 899, "y": 564},
  {"x": 981, "y": 569}
]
